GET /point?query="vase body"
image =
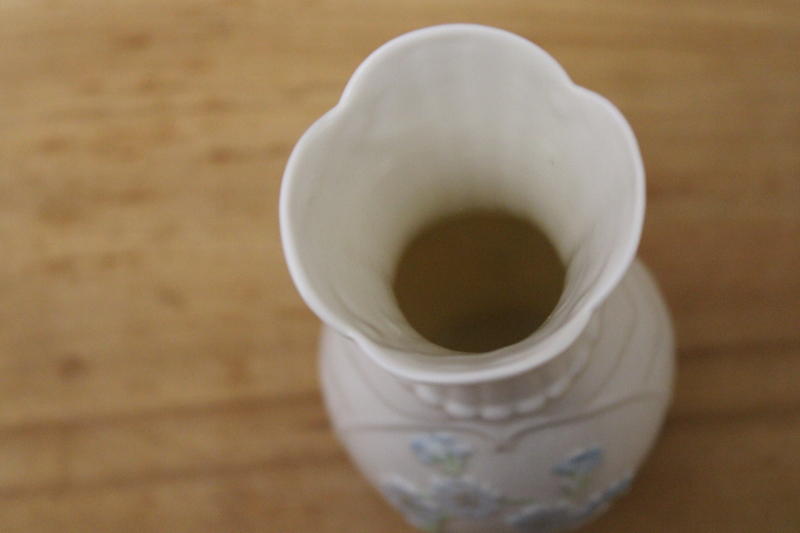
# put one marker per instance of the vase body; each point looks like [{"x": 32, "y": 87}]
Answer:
[
  {"x": 543, "y": 451},
  {"x": 538, "y": 436}
]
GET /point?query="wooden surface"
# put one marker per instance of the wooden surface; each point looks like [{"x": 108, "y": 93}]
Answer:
[{"x": 157, "y": 368}]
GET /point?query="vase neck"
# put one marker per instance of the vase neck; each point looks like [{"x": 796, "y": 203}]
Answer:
[{"x": 519, "y": 395}]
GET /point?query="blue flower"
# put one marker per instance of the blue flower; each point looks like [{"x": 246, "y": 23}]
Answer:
[
  {"x": 564, "y": 515},
  {"x": 465, "y": 497},
  {"x": 442, "y": 450},
  {"x": 580, "y": 464},
  {"x": 575, "y": 471},
  {"x": 418, "y": 509}
]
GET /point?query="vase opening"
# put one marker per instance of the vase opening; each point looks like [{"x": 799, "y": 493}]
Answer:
[
  {"x": 438, "y": 123},
  {"x": 478, "y": 281}
]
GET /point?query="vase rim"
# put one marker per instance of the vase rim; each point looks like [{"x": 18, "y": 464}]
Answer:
[{"x": 454, "y": 368}]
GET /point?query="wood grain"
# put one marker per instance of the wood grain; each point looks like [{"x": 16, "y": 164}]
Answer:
[{"x": 157, "y": 367}]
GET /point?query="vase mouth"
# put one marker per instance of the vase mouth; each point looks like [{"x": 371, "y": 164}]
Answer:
[{"x": 442, "y": 120}]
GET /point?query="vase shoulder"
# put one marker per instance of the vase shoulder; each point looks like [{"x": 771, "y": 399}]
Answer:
[{"x": 604, "y": 363}]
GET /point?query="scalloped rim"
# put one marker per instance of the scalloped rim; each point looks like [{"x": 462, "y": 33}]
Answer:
[{"x": 457, "y": 368}]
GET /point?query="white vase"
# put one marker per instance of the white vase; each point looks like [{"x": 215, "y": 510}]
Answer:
[{"x": 538, "y": 436}]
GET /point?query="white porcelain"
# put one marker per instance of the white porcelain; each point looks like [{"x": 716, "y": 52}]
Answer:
[{"x": 538, "y": 436}]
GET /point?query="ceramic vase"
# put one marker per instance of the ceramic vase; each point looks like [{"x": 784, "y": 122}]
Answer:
[{"x": 538, "y": 436}]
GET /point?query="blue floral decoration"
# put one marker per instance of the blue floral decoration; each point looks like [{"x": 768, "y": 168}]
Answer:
[
  {"x": 576, "y": 469},
  {"x": 565, "y": 515},
  {"x": 454, "y": 495},
  {"x": 465, "y": 497},
  {"x": 417, "y": 508},
  {"x": 441, "y": 450},
  {"x": 581, "y": 463}
]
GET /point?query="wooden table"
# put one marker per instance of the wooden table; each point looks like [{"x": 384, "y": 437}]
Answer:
[{"x": 157, "y": 367}]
